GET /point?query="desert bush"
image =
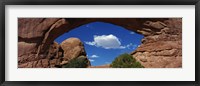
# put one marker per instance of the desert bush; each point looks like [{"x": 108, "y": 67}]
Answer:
[
  {"x": 80, "y": 62},
  {"x": 125, "y": 61}
]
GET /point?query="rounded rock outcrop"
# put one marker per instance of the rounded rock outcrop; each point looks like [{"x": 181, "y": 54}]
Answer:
[{"x": 72, "y": 48}]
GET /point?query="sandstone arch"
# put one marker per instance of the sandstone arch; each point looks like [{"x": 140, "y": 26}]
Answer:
[{"x": 161, "y": 46}]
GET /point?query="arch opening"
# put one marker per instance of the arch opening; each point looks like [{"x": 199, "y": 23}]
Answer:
[
  {"x": 161, "y": 46},
  {"x": 103, "y": 41}
]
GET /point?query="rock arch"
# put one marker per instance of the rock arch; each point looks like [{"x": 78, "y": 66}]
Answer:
[{"x": 161, "y": 45}]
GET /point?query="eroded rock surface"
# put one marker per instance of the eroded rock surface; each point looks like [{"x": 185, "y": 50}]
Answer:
[
  {"x": 56, "y": 56},
  {"x": 51, "y": 58},
  {"x": 164, "y": 49},
  {"x": 73, "y": 48},
  {"x": 161, "y": 46}
]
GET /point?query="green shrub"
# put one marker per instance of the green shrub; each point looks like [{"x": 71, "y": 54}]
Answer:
[
  {"x": 125, "y": 61},
  {"x": 80, "y": 62}
]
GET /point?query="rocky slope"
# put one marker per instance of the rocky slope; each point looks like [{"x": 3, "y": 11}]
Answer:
[
  {"x": 161, "y": 46},
  {"x": 163, "y": 49},
  {"x": 56, "y": 56}
]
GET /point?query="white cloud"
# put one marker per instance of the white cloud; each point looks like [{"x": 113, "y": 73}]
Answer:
[
  {"x": 94, "y": 56},
  {"x": 132, "y": 32},
  {"x": 131, "y": 46},
  {"x": 109, "y": 42},
  {"x": 91, "y": 60},
  {"x": 90, "y": 43},
  {"x": 106, "y": 41}
]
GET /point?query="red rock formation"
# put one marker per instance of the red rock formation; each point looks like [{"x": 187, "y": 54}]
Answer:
[
  {"x": 51, "y": 58},
  {"x": 161, "y": 46},
  {"x": 73, "y": 48}
]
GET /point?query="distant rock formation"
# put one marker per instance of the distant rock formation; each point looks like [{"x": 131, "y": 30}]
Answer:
[
  {"x": 101, "y": 66},
  {"x": 161, "y": 46}
]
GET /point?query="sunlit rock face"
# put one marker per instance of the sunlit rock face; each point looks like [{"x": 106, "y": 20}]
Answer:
[
  {"x": 161, "y": 46},
  {"x": 73, "y": 48}
]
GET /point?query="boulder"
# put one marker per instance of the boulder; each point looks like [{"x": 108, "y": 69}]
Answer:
[{"x": 72, "y": 48}]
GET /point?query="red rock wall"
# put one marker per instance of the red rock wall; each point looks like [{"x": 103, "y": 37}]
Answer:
[{"x": 161, "y": 46}]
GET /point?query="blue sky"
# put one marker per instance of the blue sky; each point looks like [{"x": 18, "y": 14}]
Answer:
[{"x": 103, "y": 42}]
